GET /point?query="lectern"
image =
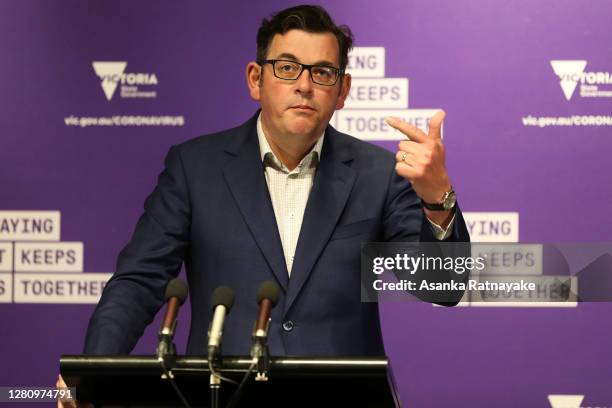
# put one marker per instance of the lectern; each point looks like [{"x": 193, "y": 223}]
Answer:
[{"x": 136, "y": 381}]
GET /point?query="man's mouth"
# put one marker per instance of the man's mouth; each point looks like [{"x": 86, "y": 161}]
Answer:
[{"x": 303, "y": 107}]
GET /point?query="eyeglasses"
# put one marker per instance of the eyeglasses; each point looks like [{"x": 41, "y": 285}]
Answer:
[{"x": 291, "y": 70}]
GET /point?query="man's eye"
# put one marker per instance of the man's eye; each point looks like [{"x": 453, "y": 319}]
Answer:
[
  {"x": 323, "y": 72},
  {"x": 287, "y": 67}
]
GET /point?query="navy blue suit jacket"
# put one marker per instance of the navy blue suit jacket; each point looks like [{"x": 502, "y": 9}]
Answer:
[{"x": 211, "y": 210}]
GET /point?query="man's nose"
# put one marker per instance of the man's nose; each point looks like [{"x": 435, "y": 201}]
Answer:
[{"x": 304, "y": 83}]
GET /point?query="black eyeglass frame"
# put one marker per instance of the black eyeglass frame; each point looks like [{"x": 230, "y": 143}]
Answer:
[{"x": 272, "y": 62}]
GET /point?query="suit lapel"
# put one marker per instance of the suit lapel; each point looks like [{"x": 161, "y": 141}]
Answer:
[
  {"x": 245, "y": 177},
  {"x": 333, "y": 182}
]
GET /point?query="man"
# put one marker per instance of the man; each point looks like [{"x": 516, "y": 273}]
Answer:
[{"x": 284, "y": 197}]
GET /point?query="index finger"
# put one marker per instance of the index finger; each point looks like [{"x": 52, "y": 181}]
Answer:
[{"x": 414, "y": 133}]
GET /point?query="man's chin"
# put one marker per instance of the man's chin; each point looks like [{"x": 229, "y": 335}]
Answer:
[
  {"x": 304, "y": 132},
  {"x": 300, "y": 127}
]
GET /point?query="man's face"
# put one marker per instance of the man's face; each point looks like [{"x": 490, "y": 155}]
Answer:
[{"x": 298, "y": 107}]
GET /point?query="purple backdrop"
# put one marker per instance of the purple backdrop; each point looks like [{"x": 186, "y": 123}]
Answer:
[{"x": 488, "y": 64}]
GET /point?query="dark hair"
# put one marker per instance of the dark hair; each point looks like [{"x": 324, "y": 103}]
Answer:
[{"x": 313, "y": 19}]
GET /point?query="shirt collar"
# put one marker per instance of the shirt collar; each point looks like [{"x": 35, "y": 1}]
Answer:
[{"x": 311, "y": 158}]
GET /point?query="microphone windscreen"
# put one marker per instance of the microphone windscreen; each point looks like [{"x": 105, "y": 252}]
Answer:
[
  {"x": 268, "y": 290},
  {"x": 178, "y": 289},
  {"x": 223, "y": 295}
]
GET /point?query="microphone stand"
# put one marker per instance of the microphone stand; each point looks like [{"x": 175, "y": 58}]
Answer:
[
  {"x": 214, "y": 357},
  {"x": 166, "y": 350},
  {"x": 261, "y": 353},
  {"x": 214, "y": 360},
  {"x": 215, "y": 385},
  {"x": 215, "y": 380}
]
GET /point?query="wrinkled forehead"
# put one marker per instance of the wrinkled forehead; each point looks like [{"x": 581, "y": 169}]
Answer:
[{"x": 305, "y": 47}]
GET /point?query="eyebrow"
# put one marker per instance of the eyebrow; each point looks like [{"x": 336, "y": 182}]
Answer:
[{"x": 289, "y": 56}]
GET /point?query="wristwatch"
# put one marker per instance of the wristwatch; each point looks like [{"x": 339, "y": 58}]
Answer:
[{"x": 448, "y": 202}]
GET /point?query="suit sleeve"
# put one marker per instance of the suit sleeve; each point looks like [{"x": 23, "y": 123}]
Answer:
[
  {"x": 154, "y": 255},
  {"x": 405, "y": 221}
]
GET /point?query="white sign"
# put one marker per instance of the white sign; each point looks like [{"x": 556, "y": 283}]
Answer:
[
  {"x": 371, "y": 125},
  {"x": 493, "y": 226},
  {"x": 49, "y": 257},
  {"x": 366, "y": 62},
  {"x": 382, "y": 93},
  {"x": 6, "y": 257},
  {"x": 29, "y": 225},
  {"x": 59, "y": 287},
  {"x": 509, "y": 259},
  {"x": 6, "y": 288}
]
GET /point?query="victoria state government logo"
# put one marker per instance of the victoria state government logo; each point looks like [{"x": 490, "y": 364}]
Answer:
[
  {"x": 132, "y": 84},
  {"x": 572, "y": 72}
]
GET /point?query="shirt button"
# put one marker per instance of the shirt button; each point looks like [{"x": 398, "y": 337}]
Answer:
[{"x": 288, "y": 326}]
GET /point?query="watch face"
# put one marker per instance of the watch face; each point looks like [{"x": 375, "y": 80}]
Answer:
[{"x": 450, "y": 200}]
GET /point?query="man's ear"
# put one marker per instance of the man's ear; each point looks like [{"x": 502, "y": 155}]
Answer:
[
  {"x": 345, "y": 87},
  {"x": 253, "y": 77}
]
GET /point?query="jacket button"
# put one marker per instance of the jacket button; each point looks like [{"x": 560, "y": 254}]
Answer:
[{"x": 288, "y": 326}]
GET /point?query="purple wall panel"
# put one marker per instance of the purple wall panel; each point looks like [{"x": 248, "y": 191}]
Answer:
[{"x": 486, "y": 63}]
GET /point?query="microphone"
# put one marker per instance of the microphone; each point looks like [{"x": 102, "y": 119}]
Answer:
[
  {"x": 176, "y": 293},
  {"x": 221, "y": 302},
  {"x": 267, "y": 297}
]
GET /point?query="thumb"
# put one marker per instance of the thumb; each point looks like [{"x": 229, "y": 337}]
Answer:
[{"x": 435, "y": 124}]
